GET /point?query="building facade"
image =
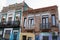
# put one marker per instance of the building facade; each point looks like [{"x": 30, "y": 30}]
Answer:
[
  {"x": 10, "y": 21},
  {"x": 20, "y": 22},
  {"x": 43, "y": 22},
  {"x": 27, "y": 36}
]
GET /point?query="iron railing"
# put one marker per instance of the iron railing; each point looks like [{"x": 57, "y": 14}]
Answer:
[
  {"x": 29, "y": 26},
  {"x": 45, "y": 26},
  {"x": 10, "y": 24}
]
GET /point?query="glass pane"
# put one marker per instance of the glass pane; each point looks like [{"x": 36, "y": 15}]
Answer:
[
  {"x": 45, "y": 37},
  {"x": 17, "y": 15},
  {"x": 29, "y": 38},
  {"x": 7, "y": 34},
  {"x": 25, "y": 22},
  {"x": 32, "y": 22},
  {"x": 53, "y": 19},
  {"x": 1, "y": 34},
  {"x": 54, "y": 37},
  {"x": 37, "y": 37},
  {"x": 47, "y": 23},
  {"x": 9, "y": 18},
  {"x": 29, "y": 23},
  {"x": 24, "y": 37},
  {"x": 43, "y": 21},
  {"x": 15, "y": 36},
  {"x": 46, "y": 20}
]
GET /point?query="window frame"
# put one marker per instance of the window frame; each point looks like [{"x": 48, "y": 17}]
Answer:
[
  {"x": 25, "y": 37},
  {"x": 25, "y": 22},
  {"x": 5, "y": 31},
  {"x": 45, "y": 24},
  {"x": 29, "y": 38},
  {"x": 16, "y": 14},
  {"x": 52, "y": 19},
  {"x": 30, "y": 19}
]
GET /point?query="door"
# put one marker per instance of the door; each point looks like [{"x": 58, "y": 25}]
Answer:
[
  {"x": 24, "y": 37},
  {"x": 36, "y": 37},
  {"x": 29, "y": 38},
  {"x": 16, "y": 35},
  {"x": 45, "y": 37},
  {"x": 7, "y": 33}
]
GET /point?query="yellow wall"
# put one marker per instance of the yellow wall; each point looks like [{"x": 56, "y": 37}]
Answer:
[{"x": 28, "y": 35}]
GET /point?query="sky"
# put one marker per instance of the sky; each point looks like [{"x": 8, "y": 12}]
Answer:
[{"x": 32, "y": 3}]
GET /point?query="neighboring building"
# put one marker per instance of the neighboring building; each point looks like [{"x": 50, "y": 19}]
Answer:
[
  {"x": 27, "y": 36},
  {"x": 10, "y": 21},
  {"x": 43, "y": 22}
]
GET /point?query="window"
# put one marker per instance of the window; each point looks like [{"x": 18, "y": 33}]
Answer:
[
  {"x": 24, "y": 37},
  {"x": 29, "y": 38},
  {"x": 1, "y": 34},
  {"x": 4, "y": 17},
  {"x": 15, "y": 35},
  {"x": 30, "y": 21},
  {"x": 25, "y": 22},
  {"x": 36, "y": 37},
  {"x": 45, "y": 37},
  {"x": 53, "y": 19},
  {"x": 45, "y": 21},
  {"x": 9, "y": 18},
  {"x": 7, "y": 34},
  {"x": 17, "y": 15},
  {"x": 54, "y": 38},
  {"x": 0, "y": 37}
]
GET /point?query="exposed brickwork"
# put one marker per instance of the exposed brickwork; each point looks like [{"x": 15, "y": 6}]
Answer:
[{"x": 37, "y": 19}]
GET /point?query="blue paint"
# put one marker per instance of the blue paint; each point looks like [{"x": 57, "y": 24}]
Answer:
[
  {"x": 11, "y": 36},
  {"x": 18, "y": 35},
  {"x": 37, "y": 37}
]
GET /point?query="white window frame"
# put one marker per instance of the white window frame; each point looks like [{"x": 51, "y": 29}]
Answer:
[
  {"x": 7, "y": 29},
  {"x": 29, "y": 22},
  {"x": 53, "y": 20}
]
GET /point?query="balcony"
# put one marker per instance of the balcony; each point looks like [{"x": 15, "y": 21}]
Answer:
[
  {"x": 45, "y": 26},
  {"x": 29, "y": 28},
  {"x": 10, "y": 24}
]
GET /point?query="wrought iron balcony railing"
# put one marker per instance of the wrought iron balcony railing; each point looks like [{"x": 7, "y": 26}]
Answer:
[
  {"x": 10, "y": 24},
  {"x": 29, "y": 26},
  {"x": 45, "y": 26}
]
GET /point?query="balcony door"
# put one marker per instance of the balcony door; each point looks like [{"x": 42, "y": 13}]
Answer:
[
  {"x": 45, "y": 37},
  {"x": 45, "y": 22},
  {"x": 25, "y": 37},
  {"x": 15, "y": 35},
  {"x": 7, "y": 35}
]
